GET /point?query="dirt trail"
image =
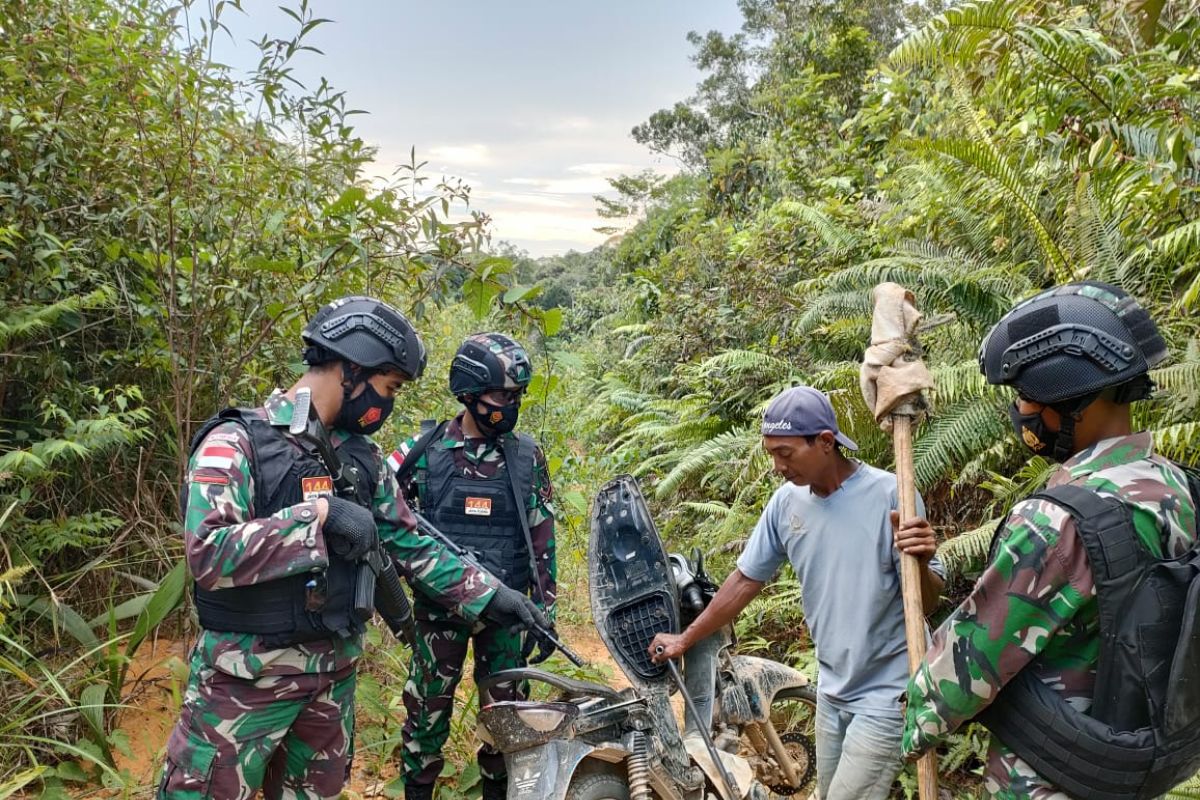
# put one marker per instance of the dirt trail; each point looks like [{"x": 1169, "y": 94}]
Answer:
[{"x": 155, "y": 686}]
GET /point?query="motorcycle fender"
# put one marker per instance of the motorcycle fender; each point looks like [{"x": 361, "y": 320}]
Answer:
[
  {"x": 544, "y": 772},
  {"x": 761, "y": 680}
]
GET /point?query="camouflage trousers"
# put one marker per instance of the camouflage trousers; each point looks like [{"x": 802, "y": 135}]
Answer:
[
  {"x": 292, "y": 736},
  {"x": 433, "y": 675}
]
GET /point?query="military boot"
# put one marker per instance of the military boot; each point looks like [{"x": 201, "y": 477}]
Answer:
[
  {"x": 495, "y": 789},
  {"x": 418, "y": 791}
]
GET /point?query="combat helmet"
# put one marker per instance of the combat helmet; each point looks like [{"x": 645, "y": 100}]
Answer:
[
  {"x": 1074, "y": 341},
  {"x": 364, "y": 331},
  {"x": 489, "y": 361}
]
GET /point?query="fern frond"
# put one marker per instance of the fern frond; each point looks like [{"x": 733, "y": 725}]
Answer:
[
  {"x": 984, "y": 159},
  {"x": 838, "y": 238},
  {"x": 955, "y": 435},
  {"x": 724, "y": 447},
  {"x": 959, "y": 35},
  {"x": 1180, "y": 442},
  {"x": 966, "y": 554},
  {"x": 746, "y": 364},
  {"x": 833, "y": 305}
]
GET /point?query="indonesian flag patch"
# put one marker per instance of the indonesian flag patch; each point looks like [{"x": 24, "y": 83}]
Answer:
[
  {"x": 216, "y": 456},
  {"x": 479, "y": 506}
]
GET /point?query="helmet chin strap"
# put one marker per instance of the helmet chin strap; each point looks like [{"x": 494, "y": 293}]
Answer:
[{"x": 1068, "y": 415}]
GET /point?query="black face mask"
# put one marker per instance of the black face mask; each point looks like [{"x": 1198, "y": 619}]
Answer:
[
  {"x": 364, "y": 414},
  {"x": 496, "y": 419},
  {"x": 1031, "y": 430}
]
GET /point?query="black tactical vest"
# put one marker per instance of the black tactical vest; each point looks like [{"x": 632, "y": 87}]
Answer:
[
  {"x": 481, "y": 514},
  {"x": 1142, "y": 734},
  {"x": 299, "y": 608}
]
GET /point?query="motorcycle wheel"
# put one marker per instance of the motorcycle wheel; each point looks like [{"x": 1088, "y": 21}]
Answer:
[
  {"x": 794, "y": 715},
  {"x": 598, "y": 786}
]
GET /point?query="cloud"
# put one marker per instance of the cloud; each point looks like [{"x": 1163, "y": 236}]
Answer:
[
  {"x": 604, "y": 169},
  {"x": 589, "y": 185},
  {"x": 461, "y": 155},
  {"x": 491, "y": 199},
  {"x": 571, "y": 124}
]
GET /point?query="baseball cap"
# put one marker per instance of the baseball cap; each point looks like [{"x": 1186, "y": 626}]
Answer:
[{"x": 802, "y": 411}]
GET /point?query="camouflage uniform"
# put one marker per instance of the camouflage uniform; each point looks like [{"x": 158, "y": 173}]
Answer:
[
  {"x": 437, "y": 661},
  {"x": 1035, "y": 607},
  {"x": 281, "y": 718}
]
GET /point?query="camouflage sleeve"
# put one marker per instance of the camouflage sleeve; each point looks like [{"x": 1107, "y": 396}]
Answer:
[
  {"x": 541, "y": 530},
  {"x": 1033, "y": 587},
  {"x": 422, "y": 560},
  {"x": 225, "y": 544},
  {"x": 409, "y": 487}
]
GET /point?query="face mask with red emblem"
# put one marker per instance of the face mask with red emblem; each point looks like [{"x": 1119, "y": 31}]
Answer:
[
  {"x": 365, "y": 413},
  {"x": 495, "y": 419}
]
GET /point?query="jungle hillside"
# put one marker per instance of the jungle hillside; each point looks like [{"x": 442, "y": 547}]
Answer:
[{"x": 167, "y": 226}]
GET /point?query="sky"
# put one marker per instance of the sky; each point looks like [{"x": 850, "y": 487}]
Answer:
[{"x": 530, "y": 102}]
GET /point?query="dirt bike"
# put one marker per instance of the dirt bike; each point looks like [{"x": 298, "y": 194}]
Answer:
[{"x": 748, "y": 721}]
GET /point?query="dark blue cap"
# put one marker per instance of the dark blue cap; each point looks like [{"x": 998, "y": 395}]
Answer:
[{"x": 802, "y": 411}]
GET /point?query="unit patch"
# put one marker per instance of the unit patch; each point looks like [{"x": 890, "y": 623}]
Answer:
[
  {"x": 316, "y": 486},
  {"x": 479, "y": 506}
]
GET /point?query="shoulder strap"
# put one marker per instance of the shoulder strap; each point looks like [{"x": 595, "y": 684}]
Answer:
[
  {"x": 519, "y": 456},
  {"x": 1106, "y": 527},
  {"x": 430, "y": 430},
  {"x": 1193, "y": 481}
]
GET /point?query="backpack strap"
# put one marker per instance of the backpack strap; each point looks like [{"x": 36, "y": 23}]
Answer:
[
  {"x": 519, "y": 456},
  {"x": 1106, "y": 527},
  {"x": 1118, "y": 560},
  {"x": 430, "y": 430}
]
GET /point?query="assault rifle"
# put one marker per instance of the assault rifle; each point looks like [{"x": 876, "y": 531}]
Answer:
[
  {"x": 378, "y": 587},
  {"x": 467, "y": 557}
]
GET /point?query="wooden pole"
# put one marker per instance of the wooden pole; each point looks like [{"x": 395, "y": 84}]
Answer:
[{"x": 910, "y": 580}]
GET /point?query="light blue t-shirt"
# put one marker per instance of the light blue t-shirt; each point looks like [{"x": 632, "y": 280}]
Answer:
[{"x": 849, "y": 570}]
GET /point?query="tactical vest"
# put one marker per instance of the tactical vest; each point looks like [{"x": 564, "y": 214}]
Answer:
[
  {"x": 298, "y": 608},
  {"x": 1142, "y": 734},
  {"x": 481, "y": 514}
]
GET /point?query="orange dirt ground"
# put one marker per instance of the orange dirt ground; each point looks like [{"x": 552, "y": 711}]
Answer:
[{"x": 155, "y": 685}]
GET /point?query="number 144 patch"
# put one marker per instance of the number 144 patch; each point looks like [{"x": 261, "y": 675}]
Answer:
[
  {"x": 479, "y": 506},
  {"x": 316, "y": 486}
]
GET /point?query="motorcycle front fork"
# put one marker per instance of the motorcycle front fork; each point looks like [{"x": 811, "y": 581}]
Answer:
[{"x": 764, "y": 738}]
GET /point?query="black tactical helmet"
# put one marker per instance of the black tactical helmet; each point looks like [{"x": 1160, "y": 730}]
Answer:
[
  {"x": 1074, "y": 341},
  {"x": 367, "y": 332},
  {"x": 489, "y": 361}
]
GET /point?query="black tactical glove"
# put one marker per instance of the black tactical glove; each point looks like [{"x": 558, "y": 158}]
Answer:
[
  {"x": 513, "y": 610},
  {"x": 349, "y": 529}
]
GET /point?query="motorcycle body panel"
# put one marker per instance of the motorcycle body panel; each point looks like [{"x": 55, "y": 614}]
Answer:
[
  {"x": 544, "y": 772},
  {"x": 633, "y": 593},
  {"x": 748, "y": 698}
]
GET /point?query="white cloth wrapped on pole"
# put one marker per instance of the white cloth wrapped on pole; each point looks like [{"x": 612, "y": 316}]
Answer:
[{"x": 892, "y": 373}]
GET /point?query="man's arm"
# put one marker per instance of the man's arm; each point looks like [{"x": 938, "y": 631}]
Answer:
[
  {"x": 426, "y": 563},
  {"x": 1033, "y": 588},
  {"x": 735, "y": 594},
  {"x": 225, "y": 544},
  {"x": 915, "y": 537},
  {"x": 541, "y": 531}
]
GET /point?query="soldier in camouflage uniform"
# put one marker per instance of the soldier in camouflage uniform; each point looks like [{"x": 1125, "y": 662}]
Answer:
[
  {"x": 1035, "y": 606},
  {"x": 270, "y": 699},
  {"x": 461, "y": 474}
]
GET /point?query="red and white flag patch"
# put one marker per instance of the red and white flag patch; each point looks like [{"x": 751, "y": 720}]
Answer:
[{"x": 216, "y": 456}]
